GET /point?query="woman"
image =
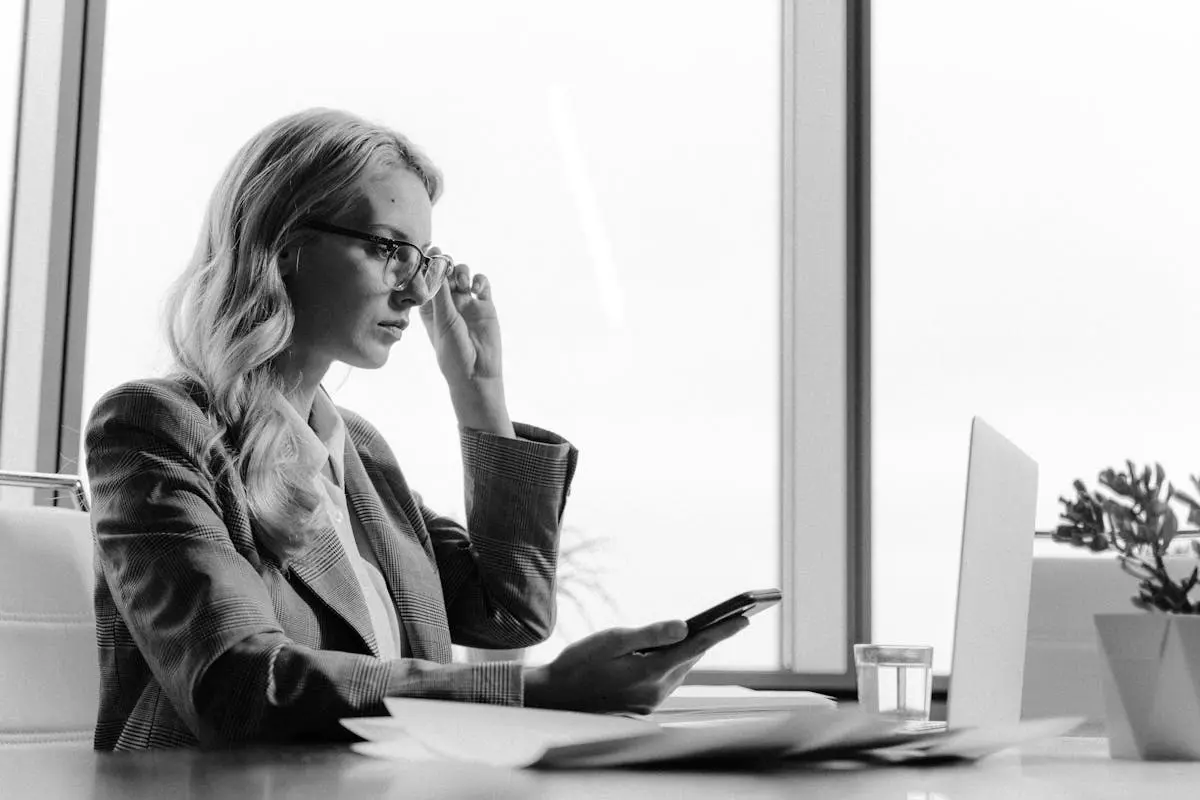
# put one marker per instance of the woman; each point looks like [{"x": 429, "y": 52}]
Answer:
[{"x": 263, "y": 567}]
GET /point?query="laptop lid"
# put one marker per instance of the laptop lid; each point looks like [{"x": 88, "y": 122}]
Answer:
[{"x": 988, "y": 662}]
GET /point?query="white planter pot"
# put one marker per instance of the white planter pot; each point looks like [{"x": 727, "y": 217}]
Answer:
[{"x": 1151, "y": 679}]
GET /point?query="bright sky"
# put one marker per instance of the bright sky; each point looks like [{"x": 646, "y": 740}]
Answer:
[{"x": 1033, "y": 169}]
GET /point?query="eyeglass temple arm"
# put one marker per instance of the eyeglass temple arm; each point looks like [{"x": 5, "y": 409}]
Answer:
[{"x": 47, "y": 480}]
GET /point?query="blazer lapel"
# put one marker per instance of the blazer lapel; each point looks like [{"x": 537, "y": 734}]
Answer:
[
  {"x": 326, "y": 570},
  {"x": 406, "y": 564}
]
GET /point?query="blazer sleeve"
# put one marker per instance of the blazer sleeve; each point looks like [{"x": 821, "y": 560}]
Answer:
[
  {"x": 198, "y": 610},
  {"x": 498, "y": 574}
]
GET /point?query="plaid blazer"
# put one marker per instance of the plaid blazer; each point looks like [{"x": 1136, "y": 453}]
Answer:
[{"x": 206, "y": 638}]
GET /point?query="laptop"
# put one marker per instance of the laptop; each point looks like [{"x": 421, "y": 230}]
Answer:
[{"x": 995, "y": 568}]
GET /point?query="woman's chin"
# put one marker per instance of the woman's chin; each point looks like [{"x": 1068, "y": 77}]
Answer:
[
  {"x": 370, "y": 357},
  {"x": 379, "y": 359}
]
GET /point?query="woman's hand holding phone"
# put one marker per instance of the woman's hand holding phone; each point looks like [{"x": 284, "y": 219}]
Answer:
[{"x": 608, "y": 671}]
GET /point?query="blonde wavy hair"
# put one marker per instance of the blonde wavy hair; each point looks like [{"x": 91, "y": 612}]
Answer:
[{"x": 229, "y": 318}]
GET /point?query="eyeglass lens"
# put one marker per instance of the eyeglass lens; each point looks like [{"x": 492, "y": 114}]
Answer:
[{"x": 402, "y": 267}]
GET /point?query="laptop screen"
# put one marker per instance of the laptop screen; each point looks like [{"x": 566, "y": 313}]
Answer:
[{"x": 988, "y": 662}]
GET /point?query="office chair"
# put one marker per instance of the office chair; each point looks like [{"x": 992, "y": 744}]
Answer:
[
  {"x": 49, "y": 678},
  {"x": 1062, "y": 656}
]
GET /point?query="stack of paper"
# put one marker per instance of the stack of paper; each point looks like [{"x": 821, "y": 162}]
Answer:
[
  {"x": 691, "y": 704},
  {"x": 526, "y": 737},
  {"x": 499, "y": 735}
]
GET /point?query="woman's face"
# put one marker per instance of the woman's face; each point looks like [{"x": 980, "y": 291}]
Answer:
[{"x": 344, "y": 310}]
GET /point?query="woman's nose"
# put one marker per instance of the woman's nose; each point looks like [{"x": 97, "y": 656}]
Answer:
[{"x": 414, "y": 294}]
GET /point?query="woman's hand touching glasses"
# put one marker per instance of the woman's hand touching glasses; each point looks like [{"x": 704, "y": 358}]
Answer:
[{"x": 464, "y": 330}]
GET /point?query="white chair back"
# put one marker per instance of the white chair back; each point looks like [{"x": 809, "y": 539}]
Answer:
[
  {"x": 1062, "y": 657},
  {"x": 49, "y": 678}
]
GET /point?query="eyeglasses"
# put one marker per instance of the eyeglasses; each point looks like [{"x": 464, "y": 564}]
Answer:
[{"x": 402, "y": 261}]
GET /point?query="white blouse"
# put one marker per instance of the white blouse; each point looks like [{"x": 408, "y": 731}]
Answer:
[{"x": 323, "y": 439}]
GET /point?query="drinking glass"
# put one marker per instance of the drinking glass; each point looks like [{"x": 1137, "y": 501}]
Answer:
[{"x": 895, "y": 680}]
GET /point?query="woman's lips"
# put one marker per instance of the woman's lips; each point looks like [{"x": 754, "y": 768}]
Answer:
[{"x": 395, "y": 328}]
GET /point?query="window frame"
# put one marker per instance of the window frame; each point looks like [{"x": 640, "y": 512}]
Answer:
[
  {"x": 825, "y": 354},
  {"x": 50, "y": 244},
  {"x": 825, "y": 314}
]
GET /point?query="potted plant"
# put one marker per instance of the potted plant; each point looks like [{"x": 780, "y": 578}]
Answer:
[{"x": 1151, "y": 659}]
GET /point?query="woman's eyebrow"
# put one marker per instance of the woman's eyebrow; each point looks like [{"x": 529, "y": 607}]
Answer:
[{"x": 395, "y": 233}]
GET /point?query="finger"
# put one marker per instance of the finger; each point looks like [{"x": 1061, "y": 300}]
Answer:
[
  {"x": 659, "y": 634},
  {"x": 677, "y": 673},
  {"x": 440, "y": 310},
  {"x": 462, "y": 277},
  {"x": 481, "y": 286},
  {"x": 426, "y": 311},
  {"x": 672, "y": 681},
  {"x": 434, "y": 250},
  {"x": 698, "y": 644}
]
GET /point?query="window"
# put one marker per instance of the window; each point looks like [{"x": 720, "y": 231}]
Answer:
[
  {"x": 1033, "y": 263},
  {"x": 616, "y": 174},
  {"x": 12, "y": 26}
]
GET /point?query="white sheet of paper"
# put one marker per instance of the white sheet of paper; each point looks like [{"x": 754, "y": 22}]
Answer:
[
  {"x": 973, "y": 743},
  {"x": 490, "y": 734},
  {"x": 523, "y": 737},
  {"x": 397, "y": 750},
  {"x": 767, "y": 735},
  {"x": 816, "y": 734},
  {"x": 705, "y": 699},
  {"x": 759, "y": 736},
  {"x": 387, "y": 741}
]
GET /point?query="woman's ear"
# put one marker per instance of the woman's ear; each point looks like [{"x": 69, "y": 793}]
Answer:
[{"x": 289, "y": 259}]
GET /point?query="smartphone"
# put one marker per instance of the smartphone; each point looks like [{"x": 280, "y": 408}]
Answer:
[{"x": 745, "y": 604}]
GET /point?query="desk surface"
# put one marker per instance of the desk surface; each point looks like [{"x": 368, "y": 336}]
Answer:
[{"x": 1064, "y": 768}]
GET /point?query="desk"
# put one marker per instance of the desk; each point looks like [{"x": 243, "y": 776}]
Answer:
[{"x": 1064, "y": 768}]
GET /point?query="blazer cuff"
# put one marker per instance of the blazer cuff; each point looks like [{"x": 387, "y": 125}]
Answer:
[
  {"x": 494, "y": 682},
  {"x": 536, "y": 455}
]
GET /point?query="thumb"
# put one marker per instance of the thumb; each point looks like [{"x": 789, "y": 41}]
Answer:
[
  {"x": 702, "y": 641},
  {"x": 437, "y": 313},
  {"x": 659, "y": 634}
]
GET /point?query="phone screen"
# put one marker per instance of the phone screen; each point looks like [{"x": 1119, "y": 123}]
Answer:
[{"x": 745, "y": 604}]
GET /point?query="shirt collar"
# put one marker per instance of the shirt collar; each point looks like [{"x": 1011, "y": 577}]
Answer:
[{"x": 323, "y": 437}]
